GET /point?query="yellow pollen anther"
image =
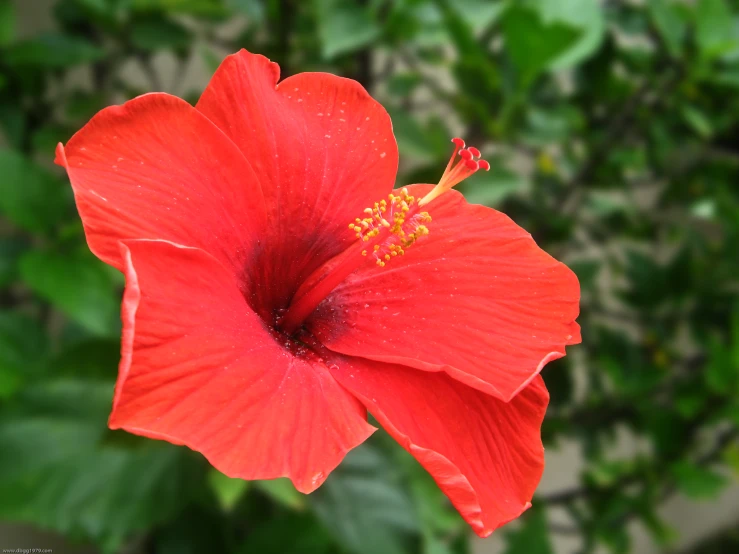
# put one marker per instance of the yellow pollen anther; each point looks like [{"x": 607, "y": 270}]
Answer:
[{"x": 391, "y": 225}]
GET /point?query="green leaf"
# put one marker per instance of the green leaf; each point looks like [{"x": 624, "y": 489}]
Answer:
[
  {"x": 305, "y": 536},
  {"x": 480, "y": 14},
  {"x": 82, "y": 105},
  {"x": 716, "y": 29},
  {"x": 159, "y": 34},
  {"x": 77, "y": 284},
  {"x": 403, "y": 84},
  {"x": 227, "y": 490},
  {"x": 584, "y": 16},
  {"x": 7, "y": 22},
  {"x": 46, "y": 138},
  {"x": 283, "y": 492},
  {"x": 587, "y": 271},
  {"x": 24, "y": 347},
  {"x": 606, "y": 203},
  {"x": 344, "y": 26},
  {"x": 207, "y": 8},
  {"x": 30, "y": 196},
  {"x": 252, "y": 8},
  {"x": 53, "y": 50},
  {"x": 414, "y": 140},
  {"x": 491, "y": 188},
  {"x": 553, "y": 125},
  {"x": 532, "y": 537},
  {"x": 92, "y": 359},
  {"x": 23, "y": 342},
  {"x": 81, "y": 485},
  {"x": 697, "y": 482},
  {"x": 670, "y": 24},
  {"x": 697, "y": 120},
  {"x": 10, "y": 251},
  {"x": 532, "y": 44},
  {"x": 12, "y": 124},
  {"x": 360, "y": 497}
]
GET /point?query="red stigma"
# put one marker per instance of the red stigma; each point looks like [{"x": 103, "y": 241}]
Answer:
[{"x": 457, "y": 170}]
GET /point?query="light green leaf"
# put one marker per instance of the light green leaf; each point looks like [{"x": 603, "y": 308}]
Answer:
[
  {"x": 716, "y": 30},
  {"x": 344, "y": 26},
  {"x": 227, "y": 490},
  {"x": 697, "y": 482},
  {"x": 78, "y": 285},
  {"x": 53, "y": 50},
  {"x": 697, "y": 120},
  {"x": 283, "y": 492},
  {"x": 585, "y": 16},
  {"x": 606, "y": 203},
  {"x": 532, "y": 44},
  {"x": 479, "y": 14},
  {"x": 30, "y": 196},
  {"x": 670, "y": 24}
]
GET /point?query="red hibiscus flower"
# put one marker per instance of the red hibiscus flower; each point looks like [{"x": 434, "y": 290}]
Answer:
[{"x": 259, "y": 330}]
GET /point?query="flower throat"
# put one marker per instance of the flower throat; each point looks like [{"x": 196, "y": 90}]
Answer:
[{"x": 386, "y": 231}]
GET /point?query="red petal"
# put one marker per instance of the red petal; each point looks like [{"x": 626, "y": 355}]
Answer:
[
  {"x": 156, "y": 168},
  {"x": 485, "y": 454},
  {"x": 322, "y": 146},
  {"x": 199, "y": 368},
  {"x": 476, "y": 298}
]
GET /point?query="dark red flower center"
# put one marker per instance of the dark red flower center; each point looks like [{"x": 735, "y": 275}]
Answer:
[{"x": 387, "y": 229}]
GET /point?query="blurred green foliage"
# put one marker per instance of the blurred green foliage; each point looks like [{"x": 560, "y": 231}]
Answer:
[{"x": 613, "y": 130}]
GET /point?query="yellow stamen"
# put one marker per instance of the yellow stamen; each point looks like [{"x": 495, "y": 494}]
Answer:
[{"x": 399, "y": 222}]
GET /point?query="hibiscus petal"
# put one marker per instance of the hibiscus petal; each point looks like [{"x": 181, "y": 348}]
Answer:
[
  {"x": 199, "y": 368},
  {"x": 485, "y": 454},
  {"x": 156, "y": 168},
  {"x": 476, "y": 298},
  {"x": 324, "y": 149}
]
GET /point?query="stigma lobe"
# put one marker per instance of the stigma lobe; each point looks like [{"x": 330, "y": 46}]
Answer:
[{"x": 465, "y": 166}]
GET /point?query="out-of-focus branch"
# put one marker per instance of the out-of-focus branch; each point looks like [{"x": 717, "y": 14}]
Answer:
[{"x": 567, "y": 496}]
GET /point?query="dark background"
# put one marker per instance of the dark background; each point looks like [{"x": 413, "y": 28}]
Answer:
[{"x": 613, "y": 131}]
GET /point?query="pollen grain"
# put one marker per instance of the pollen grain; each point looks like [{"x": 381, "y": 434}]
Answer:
[{"x": 392, "y": 225}]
